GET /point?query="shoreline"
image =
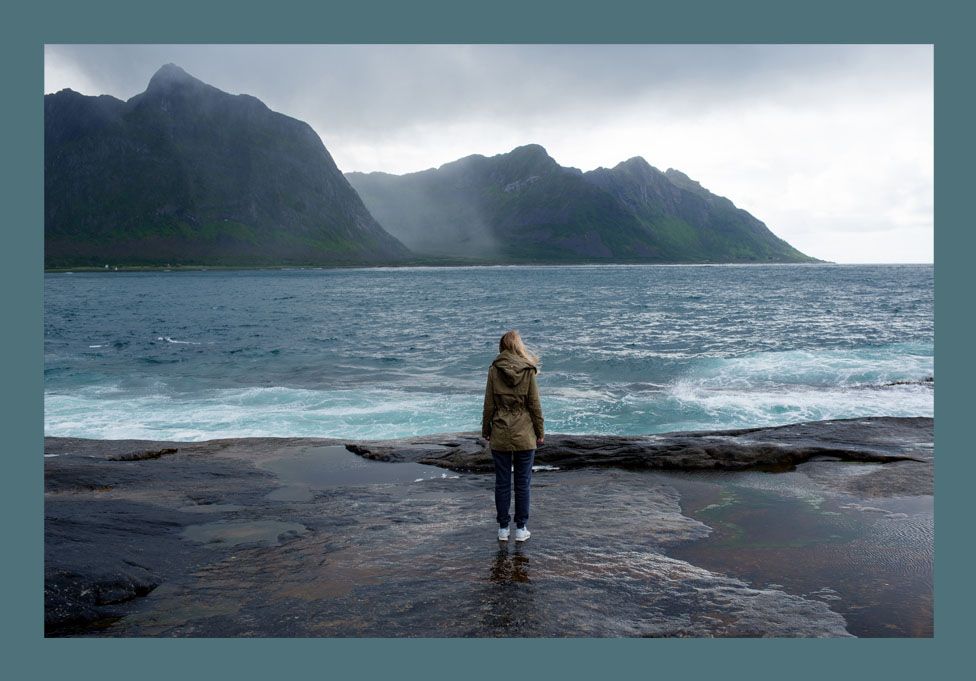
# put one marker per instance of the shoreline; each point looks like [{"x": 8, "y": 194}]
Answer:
[
  {"x": 458, "y": 265},
  {"x": 149, "y": 538},
  {"x": 871, "y": 439}
]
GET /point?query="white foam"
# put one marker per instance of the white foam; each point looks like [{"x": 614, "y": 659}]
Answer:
[
  {"x": 572, "y": 393},
  {"x": 156, "y": 412},
  {"x": 763, "y": 389},
  {"x": 443, "y": 476},
  {"x": 827, "y": 368},
  {"x": 173, "y": 340},
  {"x": 771, "y": 406}
]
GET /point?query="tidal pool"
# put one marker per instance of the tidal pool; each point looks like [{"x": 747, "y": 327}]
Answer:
[
  {"x": 870, "y": 560},
  {"x": 303, "y": 471},
  {"x": 234, "y": 533}
]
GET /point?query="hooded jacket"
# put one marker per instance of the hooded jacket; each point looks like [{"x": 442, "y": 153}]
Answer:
[{"x": 512, "y": 416}]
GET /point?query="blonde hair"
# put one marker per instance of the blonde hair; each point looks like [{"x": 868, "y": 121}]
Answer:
[{"x": 512, "y": 342}]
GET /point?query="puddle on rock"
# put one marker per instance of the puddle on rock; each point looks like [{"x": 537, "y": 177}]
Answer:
[
  {"x": 233, "y": 533},
  {"x": 303, "y": 471},
  {"x": 210, "y": 508},
  {"x": 871, "y": 560}
]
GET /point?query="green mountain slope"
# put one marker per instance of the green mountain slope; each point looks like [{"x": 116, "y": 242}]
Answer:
[
  {"x": 523, "y": 206},
  {"x": 184, "y": 173}
]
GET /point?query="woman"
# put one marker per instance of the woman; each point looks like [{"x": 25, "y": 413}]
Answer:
[{"x": 513, "y": 425}]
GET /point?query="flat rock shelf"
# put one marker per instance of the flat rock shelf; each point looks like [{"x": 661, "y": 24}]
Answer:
[{"x": 819, "y": 529}]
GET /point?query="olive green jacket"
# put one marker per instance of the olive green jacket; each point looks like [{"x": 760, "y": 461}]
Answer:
[{"x": 512, "y": 415}]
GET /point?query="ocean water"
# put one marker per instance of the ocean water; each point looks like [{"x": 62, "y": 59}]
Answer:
[{"x": 390, "y": 352}]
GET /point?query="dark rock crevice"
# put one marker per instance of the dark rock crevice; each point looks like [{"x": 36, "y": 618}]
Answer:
[{"x": 145, "y": 455}]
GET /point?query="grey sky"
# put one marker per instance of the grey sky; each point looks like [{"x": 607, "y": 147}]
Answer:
[{"x": 830, "y": 145}]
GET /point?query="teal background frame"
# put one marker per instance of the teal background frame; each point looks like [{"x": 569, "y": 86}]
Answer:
[{"x": 27, "y": 654}]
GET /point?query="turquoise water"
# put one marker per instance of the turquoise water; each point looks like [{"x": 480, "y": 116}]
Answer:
[{"x": 375, "y": 353}]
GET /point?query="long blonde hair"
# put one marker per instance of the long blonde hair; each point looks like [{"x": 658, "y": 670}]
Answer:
[{"x": 512, "y": 342}]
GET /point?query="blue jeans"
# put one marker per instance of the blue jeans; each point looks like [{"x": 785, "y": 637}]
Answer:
[{"x": 504, "y": 462}]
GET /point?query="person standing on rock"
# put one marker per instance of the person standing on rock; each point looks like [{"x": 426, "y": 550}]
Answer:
[{"x": 512, "y": 424}]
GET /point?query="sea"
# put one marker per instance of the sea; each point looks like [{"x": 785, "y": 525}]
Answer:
[{"x": 364, "y": 353}]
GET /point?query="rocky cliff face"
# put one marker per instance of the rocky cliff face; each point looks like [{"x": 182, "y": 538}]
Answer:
[
  {"x": 523, "y": 206},
  {"x": 184, "y": 173},
  {"x": 690, "y": 222}
]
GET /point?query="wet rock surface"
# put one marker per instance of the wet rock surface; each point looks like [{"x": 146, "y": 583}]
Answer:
[
  {"x": 903, "y": 443},
  {"x": 302, "y": 537}
]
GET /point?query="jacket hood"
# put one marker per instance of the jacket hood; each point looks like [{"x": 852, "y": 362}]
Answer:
[{"x": 514, "y": 370}]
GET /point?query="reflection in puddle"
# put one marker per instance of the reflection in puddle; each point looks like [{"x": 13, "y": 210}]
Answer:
[
  {"x": 509, "y": 567},
  {"x": 509, "y": 604},
  {"x": 871, "y": 561}
]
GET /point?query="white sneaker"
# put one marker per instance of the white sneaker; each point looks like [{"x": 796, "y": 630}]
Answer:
[
  {"x": 522, "y": 533},
  {"x": 503, "y": 534}
]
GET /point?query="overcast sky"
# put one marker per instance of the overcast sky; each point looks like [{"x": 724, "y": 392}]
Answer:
[{"x": 830, "y": 145}]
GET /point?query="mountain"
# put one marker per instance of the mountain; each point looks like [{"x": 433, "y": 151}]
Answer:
[
  {"x": 689, "y": 222},
  {"x": 184, "y": 173},
  {"x": 523, "y": 206}
]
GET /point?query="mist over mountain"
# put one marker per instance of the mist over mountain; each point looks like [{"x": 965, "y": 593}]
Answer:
[
  {"x": 523, "y": 206},
  {"x": 187, "y": 174},
  {"x": 184, "y": 173}
]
